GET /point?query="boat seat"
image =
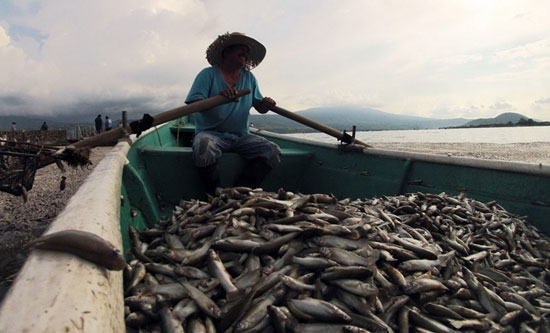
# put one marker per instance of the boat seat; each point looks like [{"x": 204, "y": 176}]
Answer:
[
  {"x": 179, "y": 154},
  {"x": 187, "y": 151},
  {"x": 174, "y": 173}
]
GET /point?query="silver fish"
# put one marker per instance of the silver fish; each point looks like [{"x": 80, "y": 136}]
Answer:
[{"x": 319, "y": 309}]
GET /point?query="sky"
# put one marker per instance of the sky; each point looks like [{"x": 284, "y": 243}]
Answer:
[{"x": 429, "y": 58}]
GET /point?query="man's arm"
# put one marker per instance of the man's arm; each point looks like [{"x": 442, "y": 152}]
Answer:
[{"x": 193, "y": 101}]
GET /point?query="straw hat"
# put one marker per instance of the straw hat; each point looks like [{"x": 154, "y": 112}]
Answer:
[{"x": 214, "y": 51}]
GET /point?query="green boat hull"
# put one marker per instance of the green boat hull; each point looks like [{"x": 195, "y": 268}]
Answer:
[
  {"x": 160, "y": 173},
  {"x": 140, "y": 184}
]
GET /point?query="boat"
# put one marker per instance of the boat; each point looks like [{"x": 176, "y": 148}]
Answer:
[{"x": 143, "y": 178}]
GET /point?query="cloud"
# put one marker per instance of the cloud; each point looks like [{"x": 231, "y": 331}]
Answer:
[
  {"x": 4, "y": 38},
  {"x": 401, "y": 58},
  {"x": 472, "y": 110},
  {"x": 101, "y": 50},
  {"x": 542, "y": 105},
  {"x": 501, "y": 106},
  {"x": 529, "y": 50},
  {"x": 468, "y": 111}
]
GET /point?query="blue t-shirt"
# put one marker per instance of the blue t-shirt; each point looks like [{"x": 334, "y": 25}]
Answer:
[{"x": 232, "y": 117}]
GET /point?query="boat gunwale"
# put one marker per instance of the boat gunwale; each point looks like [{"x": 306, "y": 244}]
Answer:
[
  {"x": 509, "y": 166},
  {"x": 70, "y": 289}
]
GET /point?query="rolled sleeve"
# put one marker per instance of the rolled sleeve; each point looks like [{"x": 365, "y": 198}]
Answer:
[{"x": 201, "y": 88}]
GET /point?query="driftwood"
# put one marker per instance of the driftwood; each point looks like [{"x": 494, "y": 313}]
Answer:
[{"x": 20, "y": 160}]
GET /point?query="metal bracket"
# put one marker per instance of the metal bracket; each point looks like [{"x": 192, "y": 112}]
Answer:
[
  {"x": 141, "y": 125},
  {"x": 348, "y": 139}
]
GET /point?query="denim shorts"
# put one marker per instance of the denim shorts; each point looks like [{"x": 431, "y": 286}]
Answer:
[{"x": 208, "y": 147}]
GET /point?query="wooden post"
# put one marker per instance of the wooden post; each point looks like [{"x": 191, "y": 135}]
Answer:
[{"x": 124, "y": 118}]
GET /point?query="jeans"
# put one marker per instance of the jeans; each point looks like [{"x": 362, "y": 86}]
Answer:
[{"x": 208, "y": 147}]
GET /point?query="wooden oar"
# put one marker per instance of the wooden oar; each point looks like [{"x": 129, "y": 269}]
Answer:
[
  {"x": 148, "y": 121},
  {"x": 318, "y": 126},
  {"x": 73, "y": 152}
]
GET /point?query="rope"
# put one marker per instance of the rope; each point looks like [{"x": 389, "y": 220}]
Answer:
[{"x": 158, "y": 135}]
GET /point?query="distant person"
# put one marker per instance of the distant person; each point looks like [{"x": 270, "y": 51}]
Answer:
[
  {"x": 44, "y": 127},
  {"x": 98, "y": 124},
  {"x": 108, "y": 123},
  {"x": 13, "y": 127}
]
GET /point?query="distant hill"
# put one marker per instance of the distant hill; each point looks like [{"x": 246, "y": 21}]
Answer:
[
  {"x": 34, "y": 122},
  {"x": 21, "y": 122},
  {"x": 58, "y": 122},
  {"x": 504, "y": 118},
  {"x": 343, "y": 118}
]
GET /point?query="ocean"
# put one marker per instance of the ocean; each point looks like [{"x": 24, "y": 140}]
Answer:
[{"x": 470, "y": 135}]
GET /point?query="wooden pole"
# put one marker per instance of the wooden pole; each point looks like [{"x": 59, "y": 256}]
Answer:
[
  {"x": 316, "y": 125},
  {"x": 124, "y": 118},
  {"x": 126, "y": 129},
  {"x": 117, "y": 133}
]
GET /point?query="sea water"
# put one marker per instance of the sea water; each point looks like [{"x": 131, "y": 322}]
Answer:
[{"x": 472, "y": 135}]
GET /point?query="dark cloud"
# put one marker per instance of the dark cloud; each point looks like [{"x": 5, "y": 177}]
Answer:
[
  {"x": 85, "y": 109},
  {"x": 8, "y": 101}
]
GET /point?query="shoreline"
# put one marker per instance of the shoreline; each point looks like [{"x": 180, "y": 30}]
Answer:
[{"x": 532, "y": 152}]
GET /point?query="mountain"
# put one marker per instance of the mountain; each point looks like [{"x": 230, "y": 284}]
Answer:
[
  {"x": 504, "y": 118},
  {"x": 344, "y": 118},
  {"x": 340, "y": 118}
]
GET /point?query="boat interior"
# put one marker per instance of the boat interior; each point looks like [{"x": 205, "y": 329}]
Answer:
[{"x": 161, "y": 173}]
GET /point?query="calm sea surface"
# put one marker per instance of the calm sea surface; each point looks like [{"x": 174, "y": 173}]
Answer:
[{"x": 472, "y": 135}]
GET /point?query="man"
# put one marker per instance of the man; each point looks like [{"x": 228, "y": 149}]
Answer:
[
  {"x": 44, "y": 127},
  {"x": 225, "y": 128},
  {"x": 98, "y": 124},
  {"x": 108, "y": 123}
]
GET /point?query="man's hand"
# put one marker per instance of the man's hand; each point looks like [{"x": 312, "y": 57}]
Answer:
[
  {"x": 230, "y": 94},
  {"x": 265, "y": 104}
]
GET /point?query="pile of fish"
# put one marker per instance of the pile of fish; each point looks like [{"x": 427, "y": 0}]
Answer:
[{"x": 256, "y": 261}]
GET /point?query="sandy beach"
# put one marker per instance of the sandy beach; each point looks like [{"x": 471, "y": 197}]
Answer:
[
  {"x": 21, "y": 222},
  {"x": 536, "y": 152}
]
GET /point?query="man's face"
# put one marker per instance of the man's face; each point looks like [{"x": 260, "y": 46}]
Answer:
[{"x": 237, "y": 54}]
